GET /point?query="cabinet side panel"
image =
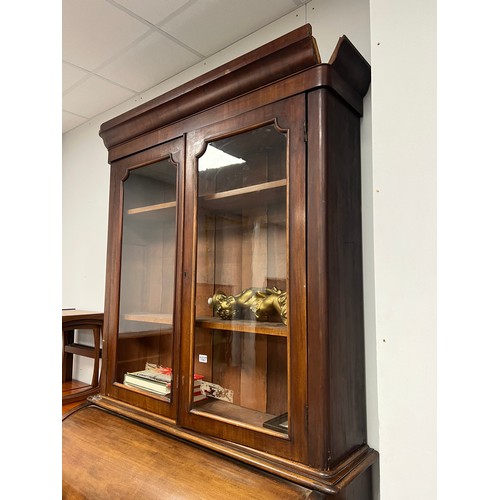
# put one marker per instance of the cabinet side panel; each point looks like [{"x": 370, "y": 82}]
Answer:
[
  {"x": 345, "y": 280},
  {"x": 335, "y": 284}
]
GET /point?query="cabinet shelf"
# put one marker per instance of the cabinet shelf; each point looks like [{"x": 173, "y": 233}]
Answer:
[
  {"x": 245, "y": 197},
  {"x": 151, "y": 208},
  {"x": 165, "y": 319},
  {"x": 234, "y": 413},
  {"x": 246, "y": 326},
  {"x": 144, "y": 334}
]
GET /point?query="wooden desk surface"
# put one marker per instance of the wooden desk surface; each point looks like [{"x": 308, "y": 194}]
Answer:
[
  {"x": 79, "y": 314},
  {"x": 107, "y": 456}
]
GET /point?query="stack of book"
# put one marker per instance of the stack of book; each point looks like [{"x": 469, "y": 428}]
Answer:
[
  {"x": 198, "y": 394},
  {"x": 158, "y": 380}
]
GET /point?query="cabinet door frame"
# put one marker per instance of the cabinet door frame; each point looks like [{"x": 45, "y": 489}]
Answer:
[
  {"x": 290, "y": 115},
  {"x": 120, "y": 170}
]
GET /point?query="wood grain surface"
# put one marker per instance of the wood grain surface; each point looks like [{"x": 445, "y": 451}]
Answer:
[{"x": 106, "y": 456}]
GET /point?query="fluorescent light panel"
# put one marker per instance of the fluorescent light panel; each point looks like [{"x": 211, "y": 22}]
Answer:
[{"x": 215, "y": 158}]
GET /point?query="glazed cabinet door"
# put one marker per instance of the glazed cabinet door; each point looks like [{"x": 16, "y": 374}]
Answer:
[
  {"x": 244, "y": 310},
  {"x": 143, "y": 323}
]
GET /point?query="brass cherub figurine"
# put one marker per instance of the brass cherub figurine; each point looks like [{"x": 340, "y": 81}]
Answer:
[{"x": 266, "y": 304}]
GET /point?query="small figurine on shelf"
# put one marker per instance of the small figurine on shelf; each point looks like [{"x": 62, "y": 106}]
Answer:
[{"x": 264, "y": 303}]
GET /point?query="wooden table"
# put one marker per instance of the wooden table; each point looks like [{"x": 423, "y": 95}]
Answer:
[{"x": 75, "y": 319}]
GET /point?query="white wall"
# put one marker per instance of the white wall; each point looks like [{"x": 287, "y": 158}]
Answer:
[
  {"x": 403, "y": 49},
  {"x": 85, "y": 178},
  {"x": 398, "y": 176}
]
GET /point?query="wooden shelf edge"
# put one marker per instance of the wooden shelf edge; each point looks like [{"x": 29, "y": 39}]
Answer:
[
  {"x": 260, "y": 328},
  {"x": 152, "y": 208},
  {"x": 165, "y": 319},
  {"x": 330, "y": 482},
  {"x": 246, "y": 418},
  {"x": 245, "y": 190},
  {"x": 246, "y": 198}
]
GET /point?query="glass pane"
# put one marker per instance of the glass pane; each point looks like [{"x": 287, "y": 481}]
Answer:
[
  {"x": 145, "y": 340},
  {"x": 241, "y": 335}
]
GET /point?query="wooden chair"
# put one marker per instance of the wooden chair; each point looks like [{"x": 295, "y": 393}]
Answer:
[{"x": 72, "y": 319}]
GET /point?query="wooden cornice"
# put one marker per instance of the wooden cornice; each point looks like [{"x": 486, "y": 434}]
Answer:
[
  {"x": 277, "y": 59},
  {"x": 349, "y": 64},
  {"x": 290, "y": 63}
]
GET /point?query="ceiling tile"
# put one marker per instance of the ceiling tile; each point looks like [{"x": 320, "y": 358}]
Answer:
[
  {"x": 149, "y": 62},
  {"x": 211, "y": 25},
  {"x": 69, "y": 121},
  {"x": 71, "y": 75},
  {"x": 94, "y": 96},
  {"x": 112, "y": 51},
  {"x": 153, "y": 11},
  {"x": 94, "y": 31}
]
